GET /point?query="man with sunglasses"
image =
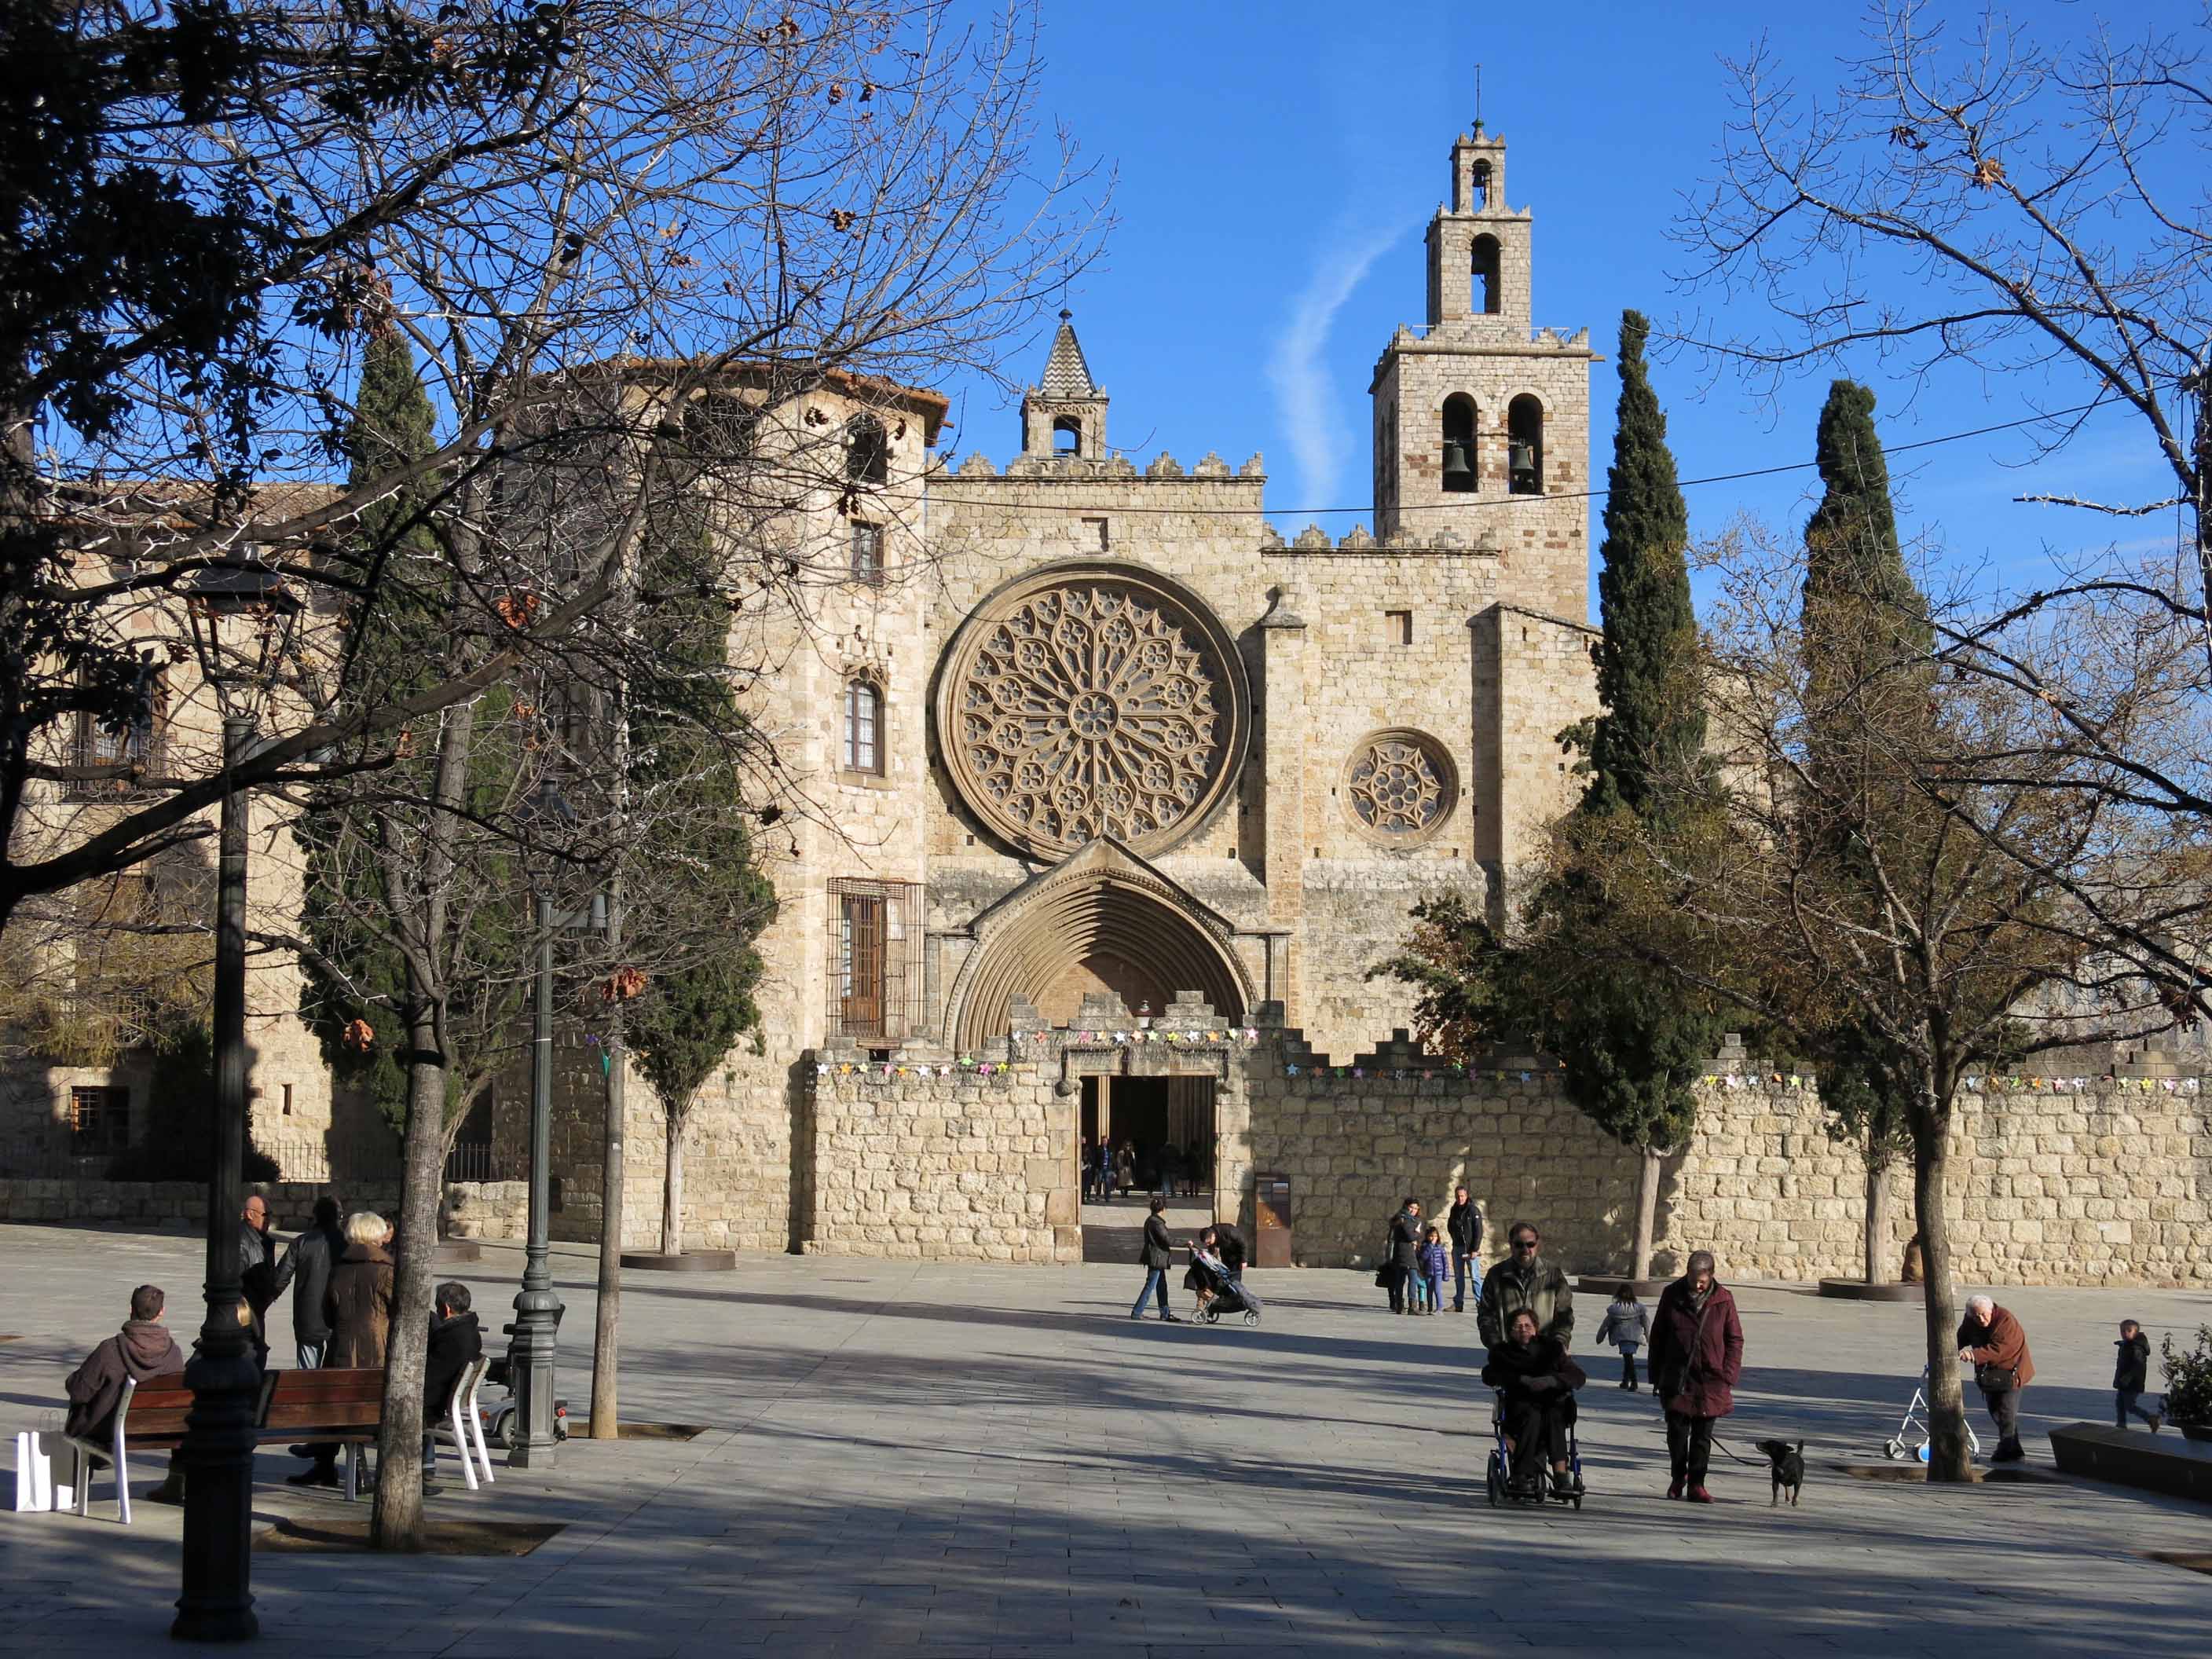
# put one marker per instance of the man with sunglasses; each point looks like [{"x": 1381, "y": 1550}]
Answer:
[{"x": 1525, "y": 1280}]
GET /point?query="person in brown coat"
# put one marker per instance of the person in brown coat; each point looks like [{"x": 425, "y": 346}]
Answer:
[
  {"x": 359, "y": 1301},
  {"x": 142, "y": 1349},
  {"x": 357, "y": 1308},
  {"x": 1991, "y": 1341},
  {"x": 1697, "y": 1358}
]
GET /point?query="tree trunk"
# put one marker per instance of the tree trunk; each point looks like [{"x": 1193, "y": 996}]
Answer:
[
  {"x": 1650, "y": 1164},
  {"x": 672, "y": 1191},
  {"x": 1877, "y": 1257},
  {"x": 606, "y": 1334},
  {"x": 1948, "y": 1457},
  {"x": 396, "y": 1522}
]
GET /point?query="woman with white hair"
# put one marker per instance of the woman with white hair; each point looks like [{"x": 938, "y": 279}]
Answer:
[
  {"x": 1991, "y": 1341},
  {"x": 357, "y": 1308}
]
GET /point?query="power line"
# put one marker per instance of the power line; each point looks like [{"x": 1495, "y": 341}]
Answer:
[{"x": 937, "y": 494}]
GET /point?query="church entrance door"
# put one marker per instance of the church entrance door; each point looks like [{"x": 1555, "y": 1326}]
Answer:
[{"x": 1167, "y": 1124}]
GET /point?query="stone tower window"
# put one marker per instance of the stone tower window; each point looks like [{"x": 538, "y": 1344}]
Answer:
[
  {"x": 1459, "y": 459},
  {"x": 868, "y": 553},
  {"x": 1524, "y": 446},
  {"x": 1488, "y": 299},
  {"x": 864, "y": 728},
  {"x": 1066, "y": 435},
  {"x": 1481, "y": 186},
  {"x": 867, "y": 450}
]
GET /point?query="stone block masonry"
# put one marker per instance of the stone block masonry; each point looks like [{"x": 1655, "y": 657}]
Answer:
[{"x": 2104, "y": 1182}]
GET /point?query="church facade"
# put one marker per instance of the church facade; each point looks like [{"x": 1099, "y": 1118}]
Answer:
[{"x": 1082, "y": 732}]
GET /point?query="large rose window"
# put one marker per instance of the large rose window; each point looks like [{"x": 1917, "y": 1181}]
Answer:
[
  {"x": 1092, "y": 700},
  {"x": 1399, "y": 787}
]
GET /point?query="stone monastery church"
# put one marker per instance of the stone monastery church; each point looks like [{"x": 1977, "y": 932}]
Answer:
[{"x": 1109, "y": 745}]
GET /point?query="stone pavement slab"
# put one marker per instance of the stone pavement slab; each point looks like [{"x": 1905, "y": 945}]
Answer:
[{"x": 968, "y": 1460}]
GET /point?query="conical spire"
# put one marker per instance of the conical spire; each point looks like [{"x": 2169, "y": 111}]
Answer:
[{"x": 1066, "y": 373}]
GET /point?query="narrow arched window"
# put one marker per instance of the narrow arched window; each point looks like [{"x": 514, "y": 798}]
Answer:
[
  {"x": 867, "y": 450},
  {"x": 1481, "y": 186},
  {"x": 1066, "y": 435},
  {"x": 864, "y": 727},
  {"x": 1485, "y": 297},
  {"x": 1524, "y": 446},
  {"x": 1459, "y": 467}
]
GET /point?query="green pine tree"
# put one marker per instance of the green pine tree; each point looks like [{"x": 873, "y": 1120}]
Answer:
[
  {"x": 1653, "y": 728},
  {"x": 696, "y": 855},
  {"x": 1865, "y": 635}
]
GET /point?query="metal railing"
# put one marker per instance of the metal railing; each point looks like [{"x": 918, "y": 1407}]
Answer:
[{"x": 322, "y": 1162}]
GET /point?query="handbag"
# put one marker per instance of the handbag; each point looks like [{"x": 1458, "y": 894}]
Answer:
[
  {"x": 34, "y": 1474},
  {"x": 1995, "y": 1379}
]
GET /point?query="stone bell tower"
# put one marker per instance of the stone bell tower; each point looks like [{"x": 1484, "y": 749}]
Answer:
[
  {"x": 1064, "y": 415},
  {"x": 1481, "y": 422}
]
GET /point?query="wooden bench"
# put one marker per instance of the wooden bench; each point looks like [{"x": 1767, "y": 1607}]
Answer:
[
  {"x": 325, "y": 1407},
  {"x": 149, "y": 1417}
]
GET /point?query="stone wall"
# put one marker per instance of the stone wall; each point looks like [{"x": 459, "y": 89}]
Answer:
[
  {"x": 970, "y": 1165},
  {"x": 488, "y": 1210}
]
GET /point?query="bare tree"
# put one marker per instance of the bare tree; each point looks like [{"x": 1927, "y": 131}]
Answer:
[{"x": 1862, "y": 884}]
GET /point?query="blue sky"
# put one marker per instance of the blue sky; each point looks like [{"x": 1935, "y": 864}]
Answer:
[{"x": 1277, "y": 167}]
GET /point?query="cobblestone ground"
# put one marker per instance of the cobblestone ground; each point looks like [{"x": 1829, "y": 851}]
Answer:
[{"x": 970, "y": 1461}]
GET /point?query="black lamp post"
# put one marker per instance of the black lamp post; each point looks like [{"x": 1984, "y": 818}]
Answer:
[
  {"x": 242, "y": 626},
  {"x": 537, "y": 1306}
]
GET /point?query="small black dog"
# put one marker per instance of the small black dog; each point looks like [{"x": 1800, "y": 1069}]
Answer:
[{"x": 1788, "y": 1469}]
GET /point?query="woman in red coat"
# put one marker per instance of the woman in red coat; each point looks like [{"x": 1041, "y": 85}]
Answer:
[{"x": 1697, "y": 1355}]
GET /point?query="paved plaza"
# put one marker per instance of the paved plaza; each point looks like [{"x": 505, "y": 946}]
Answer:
[{"x": 958, "y": 1460}]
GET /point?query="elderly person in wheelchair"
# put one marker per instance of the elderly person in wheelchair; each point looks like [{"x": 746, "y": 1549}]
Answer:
[{"x": 1536, "y": 1380}]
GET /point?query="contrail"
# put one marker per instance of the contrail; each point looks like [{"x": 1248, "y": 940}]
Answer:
[{"x": 1312, "y": 420}]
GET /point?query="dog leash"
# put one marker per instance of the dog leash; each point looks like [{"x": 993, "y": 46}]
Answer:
[{"x": 1748, "y": 1463}]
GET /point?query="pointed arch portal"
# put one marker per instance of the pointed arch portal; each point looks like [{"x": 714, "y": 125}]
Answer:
[{"x": 1092, "y": 928}]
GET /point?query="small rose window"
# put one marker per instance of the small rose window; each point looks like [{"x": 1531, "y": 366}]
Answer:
[{"x": 1399, "y": 787}]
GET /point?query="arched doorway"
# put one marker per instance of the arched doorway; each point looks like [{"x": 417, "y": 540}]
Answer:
[{"x": 1100, "y": 922}]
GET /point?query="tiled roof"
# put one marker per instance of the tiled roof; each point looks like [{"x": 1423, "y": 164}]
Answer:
[{"x": 1066, "y": 373}]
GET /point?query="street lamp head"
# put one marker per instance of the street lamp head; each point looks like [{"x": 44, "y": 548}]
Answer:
[{"x": 245, "y": 620}]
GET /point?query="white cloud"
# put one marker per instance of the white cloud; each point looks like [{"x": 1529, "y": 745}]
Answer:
[{"x": 1312, "y": 417}]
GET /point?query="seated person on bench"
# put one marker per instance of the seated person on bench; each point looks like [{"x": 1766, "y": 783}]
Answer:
[
  {"x": 455, "y": 1345},
  {"x": 1536, "y": 1382}
]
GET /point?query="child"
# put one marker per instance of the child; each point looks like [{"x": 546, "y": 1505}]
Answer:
[
  {"x": 1436, "y": 1264},
  {"x": 2131, "y": 1375},
  {"x": 1626, "y": 1324}
]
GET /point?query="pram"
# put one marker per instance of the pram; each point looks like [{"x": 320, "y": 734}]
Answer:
[
  {"x": 1900, "y": 1448},
  {"x": 1220, "y": 1293},
  {"x": 1500, "y": 1477}
]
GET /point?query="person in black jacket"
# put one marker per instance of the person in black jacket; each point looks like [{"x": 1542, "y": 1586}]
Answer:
[
  {"x": 456, "y": 1343},
  {"x": 2131, "y": 1377},
  {"x": 1159, "y": 1256},
  {"x": 1463, "y": 1226},
  {"x": 1536, "y": 1382},
  {"x": 1404, "y": 1251},
  {"x": 307, "y": 1264}
]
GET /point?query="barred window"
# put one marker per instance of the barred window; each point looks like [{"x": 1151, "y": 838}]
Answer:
[
  {"x": 864, "y": 728},
  {"x": 875, "y": 962},
  {"x": 868, "y": 553},
  {"x": 99, "y": 1119},
  {"x": 137, "y": 746}
]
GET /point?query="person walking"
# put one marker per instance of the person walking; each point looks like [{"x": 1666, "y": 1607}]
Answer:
[
  {"x": 2132, "y": 1376},
  {"x": 1627, "y": 1326},
  {"x": 1158, "y": 1257},
  {"x": 1992, "y": 1340},
  {"x": 307, "y": 1264},
  {"x": 1404, "y": 1238},
  {"x": 1463, "y": 1226},
  {"x": 1435, "y": 1259},
  {"x": 1525, "y": 1280},
  {"x": 1125, "y": 1168},
  {"x": 1697, "y": 1358}
]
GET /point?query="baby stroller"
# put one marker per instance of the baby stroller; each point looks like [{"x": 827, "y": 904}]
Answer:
[
  {"x": 1902, "y": 1447},
  {"x": 1222, "y": 1294},
  {"x": 1500, "y": 1477}
]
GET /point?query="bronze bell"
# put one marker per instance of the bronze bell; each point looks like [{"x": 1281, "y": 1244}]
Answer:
[
  {"x": 1458, "y": 475},
  {"x": 1521, "y": 465}
]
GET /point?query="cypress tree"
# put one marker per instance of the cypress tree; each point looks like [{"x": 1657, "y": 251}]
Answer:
[
  {"x": 1653, "y": 726},
  {"x": 1865, "y": 635},
  {"x": 1632, "y": 1043}
]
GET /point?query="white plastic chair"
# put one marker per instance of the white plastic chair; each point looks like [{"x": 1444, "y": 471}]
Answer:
[
  {"x": 89, "y": 1457},
  {"x": 463, "y": 1427}
]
